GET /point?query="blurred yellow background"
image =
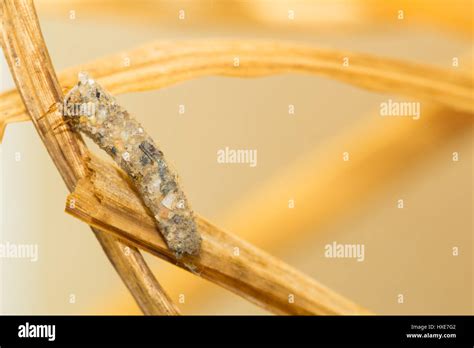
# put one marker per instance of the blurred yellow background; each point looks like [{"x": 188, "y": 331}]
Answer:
[{"x": 408, "y": 251}]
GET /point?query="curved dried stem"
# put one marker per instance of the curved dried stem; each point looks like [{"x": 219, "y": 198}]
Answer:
[{"x": 158, "y": 65}]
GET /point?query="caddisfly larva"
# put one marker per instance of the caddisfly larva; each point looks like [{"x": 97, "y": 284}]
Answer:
[{"x": 90, "y": 109}]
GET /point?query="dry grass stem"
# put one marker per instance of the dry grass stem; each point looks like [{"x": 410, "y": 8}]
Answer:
[
  {"x": 158, "y": 65},
  {"x": 39, "y": 89},
  {"x": 109, "y": 203}
]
